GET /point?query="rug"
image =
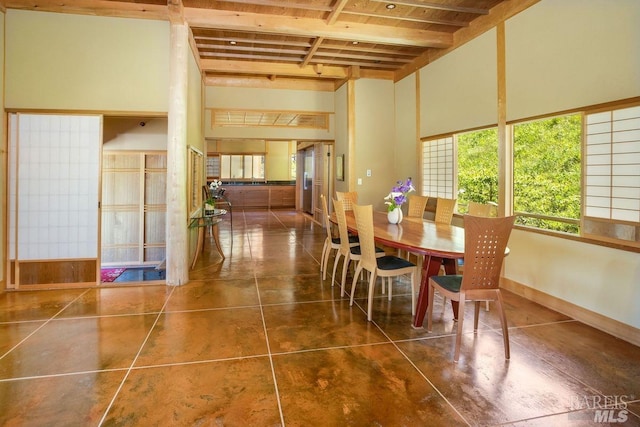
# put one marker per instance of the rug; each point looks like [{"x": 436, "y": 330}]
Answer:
[{"x": 110, "y": 274}]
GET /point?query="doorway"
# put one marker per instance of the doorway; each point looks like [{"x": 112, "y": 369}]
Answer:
[{"x": 307, "y": 181}]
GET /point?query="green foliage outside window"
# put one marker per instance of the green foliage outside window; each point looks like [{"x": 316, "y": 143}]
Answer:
[
  {"x": 547, "y": 171},
  {"x": 477, "y": 167}
]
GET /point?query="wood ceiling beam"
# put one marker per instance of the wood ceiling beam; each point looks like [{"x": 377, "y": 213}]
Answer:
[
  {"x": 94, "y": 7},
  {"x": 437, "y": 6},
  {"x": 312, "y": 51},
  {"x": 280, "y": 3},
  {"x": 266, "y": 69},
  {"x": 308, "y": 27},
  {"x": 335, "y": 13},
  {"x": 357, "y": 12}
]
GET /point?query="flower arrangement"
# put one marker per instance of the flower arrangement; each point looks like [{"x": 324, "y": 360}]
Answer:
[{"x": 398, "y": 194}]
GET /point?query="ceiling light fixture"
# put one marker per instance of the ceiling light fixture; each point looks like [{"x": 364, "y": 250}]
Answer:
[
  {"x": 355, "y": 42},
  {"x": 390, "y": 6},
  {"x": 232, "y": 42}
]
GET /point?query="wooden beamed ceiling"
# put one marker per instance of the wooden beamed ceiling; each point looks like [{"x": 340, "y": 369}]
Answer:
[{"x": 321, "y": 42}]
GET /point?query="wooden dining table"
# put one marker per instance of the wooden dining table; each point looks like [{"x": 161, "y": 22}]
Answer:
[{"x": 439, "y": 244}]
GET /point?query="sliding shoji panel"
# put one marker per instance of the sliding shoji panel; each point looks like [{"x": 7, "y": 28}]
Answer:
[{"x": 54, "y": 206}]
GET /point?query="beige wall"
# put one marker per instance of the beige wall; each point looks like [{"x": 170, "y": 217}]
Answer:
[
  {"x": 341, "y": 147},
  {"x": 3, "y": 162},
  {"x": 374, "y": 141},
  {"x": 556, "y": 59},
  {"x": 76, "y": 62},
  {"x": 459, "y": 90},
  {"x": 406, "y": 164},
  {"x": 126, "y": 133},
  {"x": 268, "y": 99}
]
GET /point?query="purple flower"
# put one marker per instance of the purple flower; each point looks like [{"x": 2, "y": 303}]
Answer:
[{"x": 398, "y": 195}]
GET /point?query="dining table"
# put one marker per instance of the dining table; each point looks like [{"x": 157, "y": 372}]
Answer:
[{"x": 439, "y": 244}]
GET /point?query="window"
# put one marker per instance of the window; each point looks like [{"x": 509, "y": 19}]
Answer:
[
  {"x": 547, "y": 173},
  {"x": 612, "y": 175},
  {"x": 477, "y": 167},
  {"x": 242, "y": 167},
  {"x": 437, "y": 168}
]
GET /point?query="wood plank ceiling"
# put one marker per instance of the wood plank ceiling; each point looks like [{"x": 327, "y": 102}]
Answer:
[{"x": 321, "y": 40}]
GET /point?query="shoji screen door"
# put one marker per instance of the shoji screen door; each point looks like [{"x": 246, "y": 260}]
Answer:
[{"x": 54, "y": 169}]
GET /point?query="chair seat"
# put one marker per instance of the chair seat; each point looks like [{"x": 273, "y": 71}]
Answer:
[
  {"x": 392, "y": 262},
  {"x": 352, "y": 239},
  {"x": 355, "y": 250},
  {"x": 451, "y": 283}
]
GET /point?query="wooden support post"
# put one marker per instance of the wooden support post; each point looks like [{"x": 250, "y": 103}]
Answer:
[{"x": 177, "y": 237}]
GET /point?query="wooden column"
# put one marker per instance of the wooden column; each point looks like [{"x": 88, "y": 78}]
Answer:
[
  {"x": 505, "y": 148},
  {"x": 177, "y": 237}
]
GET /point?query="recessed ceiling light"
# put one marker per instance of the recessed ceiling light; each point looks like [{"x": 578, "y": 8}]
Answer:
[
  {"x": 232, "y": 42},
  {"x": 390, "y": 6},
  {"x": 355, "y": 42}
]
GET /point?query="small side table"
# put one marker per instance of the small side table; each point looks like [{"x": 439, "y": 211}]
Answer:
[{"x": 201, "y": 223}]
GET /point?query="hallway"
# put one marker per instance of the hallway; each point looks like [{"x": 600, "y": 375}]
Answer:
[{"x": 258, "y": 339}]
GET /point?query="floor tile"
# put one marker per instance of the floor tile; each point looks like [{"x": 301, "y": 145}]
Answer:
[
  {"x": 226, "y": 393},
  {"x": 65, "y": 401},
  {"x": 357, "y": 386},
  {"x": 113, "y": 300},
  {"x": 204, "y": 335},
  {"x": 609, "y": 365},
  {"x": 78, "y": 345},
  {"x": 295, "y": 288},
  {"x": 487, "y": 389},
  {"x": 214, "y": 293},
  {"x": 294, "y": 327},
  {"x": 35, "y": 305}
]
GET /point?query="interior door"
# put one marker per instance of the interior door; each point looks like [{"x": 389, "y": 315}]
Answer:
[
  {"x": 53, "y": 211},
  {"x": 307, "y": 182}
]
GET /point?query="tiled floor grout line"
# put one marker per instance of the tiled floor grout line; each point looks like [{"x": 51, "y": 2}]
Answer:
[
  {"x": 266, "y": 336},
  {"x": 46, "y": 322},
  {"x": 133, "y": 362}
]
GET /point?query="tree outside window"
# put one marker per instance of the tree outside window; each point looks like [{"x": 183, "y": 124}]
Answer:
[
  {"x": 547, "y": 173},
  {"x": 477, "y": 167}
]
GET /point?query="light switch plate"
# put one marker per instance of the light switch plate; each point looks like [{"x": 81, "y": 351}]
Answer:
[{"x": 359, "y": 181}]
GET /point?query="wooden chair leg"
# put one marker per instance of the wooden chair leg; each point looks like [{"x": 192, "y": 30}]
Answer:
[
  {"x": 456, "y": 353},
  {"x": 503, "y": 322}
]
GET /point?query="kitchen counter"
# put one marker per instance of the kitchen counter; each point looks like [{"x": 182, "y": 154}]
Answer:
[{"x": 271, "y": 195}]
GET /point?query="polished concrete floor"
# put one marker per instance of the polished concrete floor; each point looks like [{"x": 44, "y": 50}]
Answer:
[{"x": 259, "y": 339}]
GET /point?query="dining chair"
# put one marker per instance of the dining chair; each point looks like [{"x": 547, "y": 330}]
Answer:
[
  {"x": 330, "y": 243},
  {"x": 485, "y": 242},
  {"x": 387, "y": 266},
  {"x": 416, "y": 206},
  {"x": 478, "y": 209},
  {"x": 348, "y": 251},
  {"x": 444, "y": 210},
  {"x": 349, "y": 198}
]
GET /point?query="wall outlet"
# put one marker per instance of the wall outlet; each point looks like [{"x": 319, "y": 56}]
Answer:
[{"x": 368, "y": 172}]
